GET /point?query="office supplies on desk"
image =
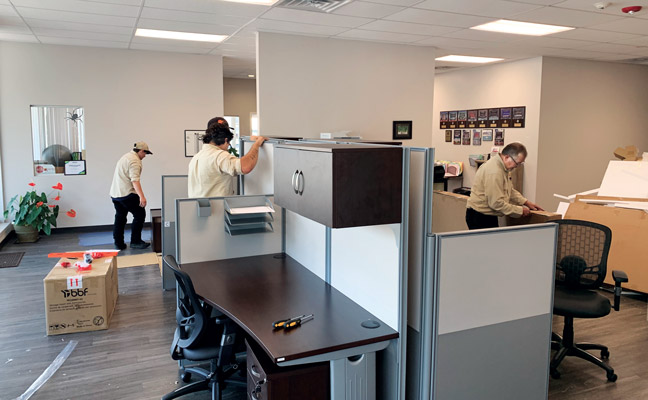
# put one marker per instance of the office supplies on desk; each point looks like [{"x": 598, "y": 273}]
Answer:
[
  {"x": 282, "y": 322},
  {"x": 295, "y": 322}
]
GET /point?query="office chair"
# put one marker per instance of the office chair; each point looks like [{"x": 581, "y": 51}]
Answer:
[
  {"x": 201, "y": 338},
  {"x": 581, "y": 265}
]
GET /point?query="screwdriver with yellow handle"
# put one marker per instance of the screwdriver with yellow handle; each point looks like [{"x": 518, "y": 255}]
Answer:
[{"x": 295, "y": 321}]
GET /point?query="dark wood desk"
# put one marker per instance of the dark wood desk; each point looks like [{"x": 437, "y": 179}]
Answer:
[{"x": 256, "y": 291}]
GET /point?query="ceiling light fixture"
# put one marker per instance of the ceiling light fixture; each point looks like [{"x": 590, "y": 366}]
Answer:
[
  {"x": 468, "y": 59},
  {"x": 250, "y": 76},
  {"x": 521, "y": 28},
  {"x": 196, "y": 37}
]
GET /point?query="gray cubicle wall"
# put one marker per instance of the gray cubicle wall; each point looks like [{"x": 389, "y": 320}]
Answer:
[
  {"x": 204, "y": 238},
  {"x": 493, "y": 306},
  {"x": 173, "y": 187}
]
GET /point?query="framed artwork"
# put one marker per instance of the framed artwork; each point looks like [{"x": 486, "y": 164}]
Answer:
[
  {"x": 499, "y": 137},
  {"x": 448, "y": 135},
  {"x": 457, "y": 137},
  {"x": 465, "y": 137},
  {"x": 487, "y": 135},
  {"x": 476, "y": 137},
  {"x": 402, "y": 130},
  {"x": 75, "y": 167},
  {"x": 193, "y": 141}
]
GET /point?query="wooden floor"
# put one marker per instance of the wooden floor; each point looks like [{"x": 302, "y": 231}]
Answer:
[{"x": 131, "y": 359}]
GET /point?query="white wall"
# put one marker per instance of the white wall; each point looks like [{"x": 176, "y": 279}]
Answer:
[
  {"x": 240, "y": 100},
  {"x": 589, "y": 108},
  {"x": 127, "y": 96},
  {"x": 500, "y": 85},
  {"x": 311, "y": 85}
]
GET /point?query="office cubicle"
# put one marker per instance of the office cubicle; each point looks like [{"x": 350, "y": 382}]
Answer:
[{"x": 173, "y": 187}]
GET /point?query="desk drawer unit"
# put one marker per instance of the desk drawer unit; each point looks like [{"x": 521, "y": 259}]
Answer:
[{"x": 267, "y": 381}]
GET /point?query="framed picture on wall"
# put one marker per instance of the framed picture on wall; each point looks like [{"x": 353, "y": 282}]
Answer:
[
  {"x": 402, "y": 130},
  {"x": 448, "y": 135},
  {"x": 193, "y": 141}
]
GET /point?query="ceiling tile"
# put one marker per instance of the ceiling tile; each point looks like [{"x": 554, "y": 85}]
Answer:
[
  {"x": 368, "y": 10},
  {"x": 405, "y": 27},
  {"x": 564, "y": 17},
  {"x": 13, "y": 21},
  {"x": 381, "y": 36},
  {"x": 213, "y": 7},
  {"x": 17, "y": 37},
  {"x": 444, "y": 42},
  {"x": 76, "y": 26},
  {"x": 484, "y": 36},
  {"x": 7, "y": 10},
  {"x": 293, "y": 27},
  {"x": 166, "y": 48},
  {"x": 625, "y": 25},
  {"x": 307, "y": 17},
  {"x": 82, "y": 42},
  {"x": 586, "y": 54},
  {"x": 437, "y": 18},
  {"x": 614, "y": 48},
  {"x": 613, "y": 8},
  {"x": 89, "y": 7},
  {"x": 24, "y": 30},
  {"x": 538, "y": 2},
  {"x": 186, "y": 16},
  {"x": 404, "y": 3},
  {"x": 636, "y": 40},
  {"x": 75, "y": 17},
  {"x": 180, "y": 26},
  {"x": 484, "y": 8},
  {"x": 595, "y": 35},
  {"x": 242, "y": 40},
  {"x": 123, "y": 2},
  {"x": 81, "y": 35},
  {"x": 549, "y": 41}
]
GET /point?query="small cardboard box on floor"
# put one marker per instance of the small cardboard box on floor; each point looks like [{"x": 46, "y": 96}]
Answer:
[{"x": 80, "y": 301}]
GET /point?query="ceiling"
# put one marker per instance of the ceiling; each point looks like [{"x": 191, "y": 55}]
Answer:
[{"x": 607, "y": 34}]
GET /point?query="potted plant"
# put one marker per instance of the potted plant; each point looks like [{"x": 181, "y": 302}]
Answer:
[{"x": 31, "y": 213}]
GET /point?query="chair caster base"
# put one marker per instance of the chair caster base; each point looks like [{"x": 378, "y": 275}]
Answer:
[
  {"x": 186, "y": 377},
  {"x": 612, "y": 377}
]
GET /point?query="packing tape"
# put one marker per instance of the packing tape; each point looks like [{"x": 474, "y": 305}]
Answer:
[{"x": 53, "y": 367}]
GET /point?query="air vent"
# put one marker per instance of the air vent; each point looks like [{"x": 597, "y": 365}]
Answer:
[
  {"x": 325, "y": 6},
  {"x": 640, "y": 60}
]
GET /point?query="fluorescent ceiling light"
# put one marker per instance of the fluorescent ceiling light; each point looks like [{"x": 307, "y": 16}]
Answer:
[
  {"x": 468, "y": 59},
  {"x": 196, "y": 37},
  {"x": 521, "y": 28},
  {"x": 250, "y": 76}
]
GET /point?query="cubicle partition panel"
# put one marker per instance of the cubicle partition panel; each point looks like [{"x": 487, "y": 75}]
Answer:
[
  {"x": 306, "y": 243},
  {"x": 202, "y": 236},
  {"x": 173, "y": 187},
  {"x": 493, "y": 313}
]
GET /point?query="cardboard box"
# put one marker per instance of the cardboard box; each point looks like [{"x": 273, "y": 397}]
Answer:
[
  {"x": 536, "y": 217},
  {"x": 629, "y": 227},
  {"x": 629, "y": 153},
  {"x": 80, "y": 301}
]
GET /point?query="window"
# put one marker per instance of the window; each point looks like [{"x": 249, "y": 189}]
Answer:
[
  {"x": 58, "y": 136},
  {"x": 234, "y": 122},
  {"x": 254, "y": 123}
]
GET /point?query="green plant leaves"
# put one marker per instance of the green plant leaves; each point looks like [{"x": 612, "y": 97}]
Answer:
[{"x": 27, "y": 211}]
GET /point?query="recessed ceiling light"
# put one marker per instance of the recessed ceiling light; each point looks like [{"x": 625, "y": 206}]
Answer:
[
  {"x": 196, "y": 37},
  {"x": 521, "y": 28},
  {"x": 468, "y": 59},
  {"x": 250, "y": 76}
]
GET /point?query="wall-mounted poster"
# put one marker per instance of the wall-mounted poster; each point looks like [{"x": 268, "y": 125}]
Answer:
[
  {"x": 505, "y": 117},
  {"x": 444, "y": 120},
  {"x": 518, "y": 117},
  {"x": 465, "y": 138},
  {"x": 452, "y": 118},
  {"x": 472, "y": 119},
  {"x": 448, "y": 135},
  {"x": 193, "y": 142},
  {"x": 457, "y": 137},
  {"x": 487, "y": 135},
  {"x": 476, "y": 137},
  {"x": 493, "y": 117},
  {"x": 461, "y": 118},
  {"x": 482, "y": 118},
  {"x": 499, "y": 137}
]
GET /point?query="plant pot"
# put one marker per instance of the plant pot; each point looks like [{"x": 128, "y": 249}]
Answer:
[{"x": 26, "y": 233}]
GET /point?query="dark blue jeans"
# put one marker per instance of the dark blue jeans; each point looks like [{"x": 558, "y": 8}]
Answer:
[
  {"x": 123, "y": 206},
  {"x": 477, "y": 220}
]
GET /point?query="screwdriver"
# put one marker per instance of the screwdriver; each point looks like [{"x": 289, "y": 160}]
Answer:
[
  {"x": 282, "y": 322},
  {"x": 297, "y": 321}
]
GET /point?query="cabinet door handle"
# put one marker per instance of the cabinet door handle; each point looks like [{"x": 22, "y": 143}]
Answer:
[
  {"x": 294, "y": 181},
  {"x": 254, "y": 371},
  {"x": 300, "y": 183}
]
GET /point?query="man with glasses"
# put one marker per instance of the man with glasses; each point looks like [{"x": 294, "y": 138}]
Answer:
[{"x": 492, "y": 194}]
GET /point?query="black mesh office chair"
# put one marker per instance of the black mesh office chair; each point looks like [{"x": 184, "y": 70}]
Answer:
[
  {"x": 581, "y": 265},
  {"x": 198, "y": 337}
]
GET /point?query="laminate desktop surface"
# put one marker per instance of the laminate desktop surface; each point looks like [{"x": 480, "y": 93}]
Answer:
[{"x": 256, "y": 291}]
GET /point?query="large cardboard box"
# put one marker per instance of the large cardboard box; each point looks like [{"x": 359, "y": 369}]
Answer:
[
  {"x": 80, "y": 301},
  {"x": 629, "y": 251}
]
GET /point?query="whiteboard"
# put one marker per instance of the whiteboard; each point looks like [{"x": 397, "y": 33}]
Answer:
[{"x": 625, "y": 179}]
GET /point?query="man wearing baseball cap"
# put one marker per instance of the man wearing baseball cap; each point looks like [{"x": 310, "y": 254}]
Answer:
[{"x": 128, "y": 197}]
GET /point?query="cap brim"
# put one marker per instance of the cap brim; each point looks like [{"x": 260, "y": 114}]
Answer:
[{"x": 147, "y": 152}]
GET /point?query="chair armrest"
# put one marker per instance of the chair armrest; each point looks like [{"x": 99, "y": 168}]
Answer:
[{"x": 619, "y": 277}]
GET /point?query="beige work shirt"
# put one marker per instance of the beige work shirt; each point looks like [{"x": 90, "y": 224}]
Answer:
[
  {"x": 211, "y": 172},
  {"x": 127, "y": 171},
  {"x": 492, "y": 192}
]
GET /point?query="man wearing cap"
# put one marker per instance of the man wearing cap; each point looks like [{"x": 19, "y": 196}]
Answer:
[
  {"x": 212, "y": 169},
  {"x": 128, "y": 196}
]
